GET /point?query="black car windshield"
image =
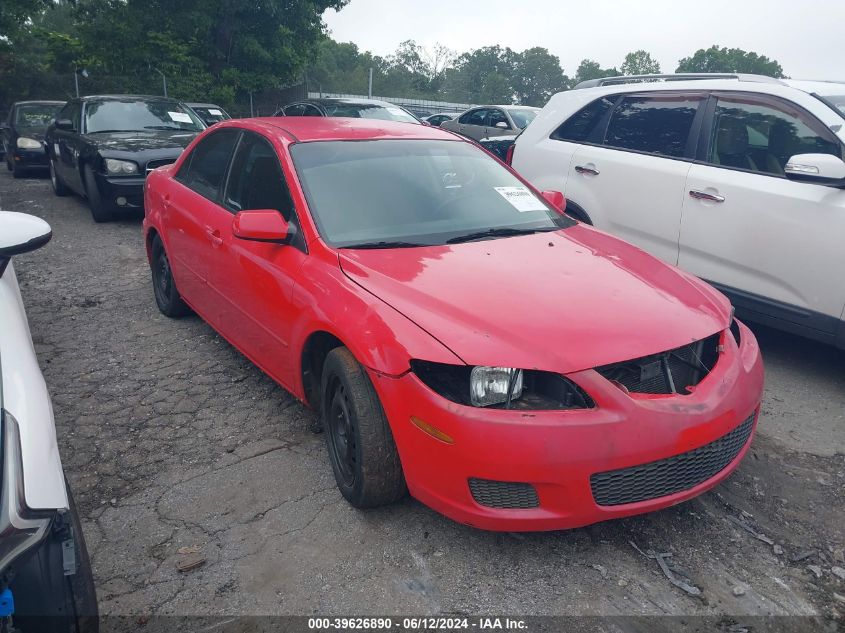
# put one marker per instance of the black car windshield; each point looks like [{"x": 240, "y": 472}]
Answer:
[
  {"x": 214, "y": 115},
  {"x": 399, "y": 193},
  {"x": 133, "y": 115},
  {"x": 522, "y": 117},
  {"x": 35, "y": 114},
  {"x": 369, "y": 111}
]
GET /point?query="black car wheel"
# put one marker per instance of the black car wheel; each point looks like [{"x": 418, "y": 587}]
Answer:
[
  {"x": 59, "y": 187},
  {"x": 99, "y": 211},
  {"x": 9, "y": 161},
  {"x": 361, "y": 447},
  {"x": 48, "y": 601},
  {"x": 168, "y": 299},
  {"x": 18, "y": 171}
]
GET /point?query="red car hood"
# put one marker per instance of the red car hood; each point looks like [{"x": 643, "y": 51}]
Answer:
[{"x": 563, "y": 301}]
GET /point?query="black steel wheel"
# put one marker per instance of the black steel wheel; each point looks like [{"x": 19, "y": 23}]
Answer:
[
  {"x": 167, "y": 297},
  {"x": 361, "y": 448}
]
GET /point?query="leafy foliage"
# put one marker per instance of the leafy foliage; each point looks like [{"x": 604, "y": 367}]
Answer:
[
  {"x": 589, "y": 69},
  {"x": 729, "y": 60},
  {"x": 640, "y": 63}
]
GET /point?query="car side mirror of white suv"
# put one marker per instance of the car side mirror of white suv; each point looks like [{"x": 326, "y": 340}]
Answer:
[
  {"x": 823, "y": 169},
  {"x": 21, "y": 233}
]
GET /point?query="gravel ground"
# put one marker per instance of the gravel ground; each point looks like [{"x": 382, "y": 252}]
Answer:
[{"x": 171, "y": 439}]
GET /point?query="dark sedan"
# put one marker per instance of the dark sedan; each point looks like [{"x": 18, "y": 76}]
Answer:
[
  {"x": 103, "y": 147},
  {"x": 209, "y": 112},
  {"x": 23, "y": 135},
  {"x": 350, "y": 108}
]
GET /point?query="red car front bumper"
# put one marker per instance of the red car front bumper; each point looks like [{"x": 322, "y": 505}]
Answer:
[{"x": 557, "y": 452}]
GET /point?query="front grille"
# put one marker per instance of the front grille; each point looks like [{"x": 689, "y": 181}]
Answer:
[
  {"x": 503, "y": 494},
  {"x": 159, "y": 163},
  {"x": 668, "y": 372},
  {"x": 668, "y": 476}
]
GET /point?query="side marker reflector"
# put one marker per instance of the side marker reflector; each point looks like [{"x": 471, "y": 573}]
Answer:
[{"x": 436, "y": 433}]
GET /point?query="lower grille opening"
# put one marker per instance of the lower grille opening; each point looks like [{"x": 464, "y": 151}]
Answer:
[
  {"x": 668, "y": 372},
  {"x": 668, "y": 476},
  {"x": 503, "y": 494}
]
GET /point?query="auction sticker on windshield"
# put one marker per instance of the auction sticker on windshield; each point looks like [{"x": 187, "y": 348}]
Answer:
[
  {"x": 180, "y": 117},
  {"x": 521, "y": 199}
]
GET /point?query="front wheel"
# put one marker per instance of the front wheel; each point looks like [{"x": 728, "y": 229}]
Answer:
[
  {"x": 99, "y": 211},
  {"x": 361, "y": 448},
  {"x": 59, "y": 187},
  {"x": 168, "y": 299},
  {"x": 47, "y": 600}
]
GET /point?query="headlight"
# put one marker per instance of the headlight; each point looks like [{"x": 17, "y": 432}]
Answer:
[
  {"x": 28, "y": 143},
  {"x": 494, "y": 385},
  {"x": 489, "y": 387},
  {"x": 121, "y": 167}
]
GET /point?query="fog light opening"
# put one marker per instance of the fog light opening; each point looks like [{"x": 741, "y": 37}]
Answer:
[
  {"x": 434, "y": 432},
  {"x": 121, "y": 201}
]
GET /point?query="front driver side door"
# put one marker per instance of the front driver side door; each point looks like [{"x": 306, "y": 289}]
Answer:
[
  {"x": 772, "y": 244},
  {"x": 255, "y": 280}
]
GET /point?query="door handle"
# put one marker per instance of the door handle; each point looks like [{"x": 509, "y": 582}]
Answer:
[
  {"x": 703, "y": 195},
  {"x": 214, "y": 236},
  {"x": 586, "y": 169}
]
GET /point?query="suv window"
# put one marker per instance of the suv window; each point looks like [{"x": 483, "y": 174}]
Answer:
[
  {"x": 205, "y": 168},
  {"x": 256, "y": 180},
  {"x": 761, "y": 135},
  {"x": 580, "y": 126},
  {"x": 475, "y": 117},
  {"x": 657, "y": 124}
]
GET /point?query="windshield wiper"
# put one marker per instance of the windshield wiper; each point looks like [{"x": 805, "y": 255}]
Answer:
[
  {"x": 161, "y": 127},
  {"x": 384, "y": 244},
  {"x": 500, "y": 232}
]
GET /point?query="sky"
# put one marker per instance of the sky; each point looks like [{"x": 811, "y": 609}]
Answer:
[{"x": 807, "y": 38}]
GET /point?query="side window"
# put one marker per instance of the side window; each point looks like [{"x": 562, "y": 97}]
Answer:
[
  {"x": 256, "y": 180},
  {"x": 581, "y": 126},
  {"x": 474, "y": 117},
  {"x": 205, "y": 168},
  {"x": 298, "y": 109},
  {"x": 657, "y": 124},
  {"x": 761, "y": 136},
  {"x": 497, "y": 116},
  {"x": 310, "y": 110}
]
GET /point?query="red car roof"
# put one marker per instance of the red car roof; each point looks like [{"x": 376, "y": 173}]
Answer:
[{"x": 343, "y": 129}]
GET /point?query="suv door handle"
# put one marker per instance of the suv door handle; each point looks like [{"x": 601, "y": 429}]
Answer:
[
  {"x": 586, "y": 169},
  {"x": 703, "y": 195}
]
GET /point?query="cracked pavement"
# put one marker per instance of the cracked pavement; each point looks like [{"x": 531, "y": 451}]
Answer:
[{"x": 171, "y": 439}]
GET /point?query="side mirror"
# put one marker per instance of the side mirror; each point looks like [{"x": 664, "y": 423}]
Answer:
[
  {"x": 556, "y": 199},
  {"x": 818, "y": 168},
  {"x": 22, "y": 233},
  {"x": 64, "y": 124},
  {"x": 265, "y": 225},
  {"x": 502, "y": 125}
]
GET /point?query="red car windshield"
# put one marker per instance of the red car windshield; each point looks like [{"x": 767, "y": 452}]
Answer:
[{"x": 390, "y": 193}]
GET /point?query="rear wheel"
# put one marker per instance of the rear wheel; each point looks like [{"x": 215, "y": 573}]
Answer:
[
  {"x": 18, "y": 171},
  {"x": 361, "y": 448},
  {"x": 99, "y": 211},
  {"x": 48, "y": 601},
  {"x": 59, "y": 187},
  {"x": 168, "y": 299}
]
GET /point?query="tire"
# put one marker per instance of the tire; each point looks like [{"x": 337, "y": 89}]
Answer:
[
  {"x": 363, "y": 454},
  {"x": 48, "y": 601},
  {"x": 99, "y": 211},
  {"x": 18, "y": 171},
  {"x": 59, "y": 187},
  {"x": 168, "y": 299},
  {"x": 9, "y": 163}
]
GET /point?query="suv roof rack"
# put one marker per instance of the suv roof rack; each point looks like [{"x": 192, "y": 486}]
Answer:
[{"x": 625, "y": 79}]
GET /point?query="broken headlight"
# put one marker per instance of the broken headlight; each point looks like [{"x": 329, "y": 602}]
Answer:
[{"x": 501, "y": 387}]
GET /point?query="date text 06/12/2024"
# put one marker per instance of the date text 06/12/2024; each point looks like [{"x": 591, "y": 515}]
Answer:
[{"x": 417, "y": 624}]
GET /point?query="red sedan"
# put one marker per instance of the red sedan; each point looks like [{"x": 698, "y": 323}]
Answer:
[{"x": 461, "y": 337}]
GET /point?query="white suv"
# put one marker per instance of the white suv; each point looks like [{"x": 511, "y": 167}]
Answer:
[{"x": 738, "y": 179}]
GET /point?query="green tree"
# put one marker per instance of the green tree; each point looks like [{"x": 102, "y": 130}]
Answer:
[
  {"x": 537, "y": 76},
  {"x": 482, "y": 76},
  {"x": 15, "y": 14},
  {"x": 729, "y": 60},
  {"x": 589, "y": 69},
  {"x": 640, "y": 63}
]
